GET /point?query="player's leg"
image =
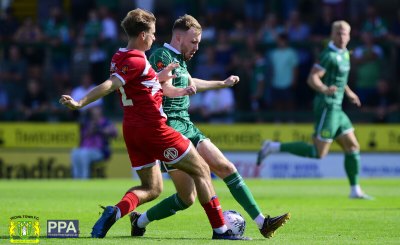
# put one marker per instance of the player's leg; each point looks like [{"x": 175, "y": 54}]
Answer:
[
  {"x": 351, "y": 148},
  {"x": 225, "y": 169},
  {"x": 76, "y": 163},
  {"x": 185, "y": 197},
  {"x": 325, "y": 129},
  {"x": 194, "y": 165},
  {"x": 149, "y": 189},
  {"x": 88, "y": 156}
]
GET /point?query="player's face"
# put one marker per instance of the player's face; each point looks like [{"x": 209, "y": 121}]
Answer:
[
  {"x": 189, "y": 43},
  {"x": 149, "y": 37},
  {"x": 341, "y": 37}
]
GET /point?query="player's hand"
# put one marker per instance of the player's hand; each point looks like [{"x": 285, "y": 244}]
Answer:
[
  {"x": 166, "y": 73},
  {"x": 354, "y": 99},
  {"x": 330, "y": 90},
  {"x": 231, "y": 81},
  {"x": 190, "y": 90},
  {"x": 69, "y": 102}
]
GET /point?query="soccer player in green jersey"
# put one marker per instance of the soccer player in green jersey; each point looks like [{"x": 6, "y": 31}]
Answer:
[
  {"x": 328, "y": 78},
  {"x": 186, "y": 36}
]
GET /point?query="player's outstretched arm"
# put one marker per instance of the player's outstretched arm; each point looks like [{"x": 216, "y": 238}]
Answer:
[
  {"x": 172, "y": 91},
  {"x": 203, "y": 85},
  {"x": 96, "y": 93}
]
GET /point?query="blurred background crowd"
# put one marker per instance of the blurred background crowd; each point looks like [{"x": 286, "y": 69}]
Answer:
[{"x": 54, "y": 47}]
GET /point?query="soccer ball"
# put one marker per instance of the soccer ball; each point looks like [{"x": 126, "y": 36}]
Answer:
[{"x": 234, "y": 221}]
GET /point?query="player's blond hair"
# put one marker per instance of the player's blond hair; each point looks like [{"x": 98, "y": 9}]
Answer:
[
  {"x": 137, "y": 21},
  {"x": 185, "y": 23},
  {"x": 340, "y": 24}
]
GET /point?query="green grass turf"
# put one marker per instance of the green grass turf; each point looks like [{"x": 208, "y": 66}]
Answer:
[{"x": 321, "y": 211}]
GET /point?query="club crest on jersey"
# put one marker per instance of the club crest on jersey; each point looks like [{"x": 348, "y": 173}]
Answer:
[
  {"x": 160, "y": 65},
  {"x": 171, "y": 153},
  {"x": 125, "y": 69}
]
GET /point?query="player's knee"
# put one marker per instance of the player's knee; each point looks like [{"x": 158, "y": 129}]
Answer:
[
  {"x": 189, "y": 199},
  {"x": 353, "y": 148},
  {"x": 224, "y": 169},
  {"x": 153, "y": 189}
]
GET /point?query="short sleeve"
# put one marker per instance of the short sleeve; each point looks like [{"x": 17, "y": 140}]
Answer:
[
  {"x": 324, "y": 60},
  {"x": 129, "y": 69}
]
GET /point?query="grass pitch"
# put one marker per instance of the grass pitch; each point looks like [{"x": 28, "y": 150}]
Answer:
[{"x": 321, "y": 211}]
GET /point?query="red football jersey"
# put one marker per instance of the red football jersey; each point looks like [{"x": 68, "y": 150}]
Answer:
[{"x": 141, "y": 94}]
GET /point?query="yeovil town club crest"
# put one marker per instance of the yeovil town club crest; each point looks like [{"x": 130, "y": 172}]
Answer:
[{"x": 24, "y": 229}]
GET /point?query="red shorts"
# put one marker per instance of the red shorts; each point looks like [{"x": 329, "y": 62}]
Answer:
[{"x": 147, "y": 145}]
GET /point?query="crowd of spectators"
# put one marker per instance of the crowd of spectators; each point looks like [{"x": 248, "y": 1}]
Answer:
[{"x": 271, "y": 45}]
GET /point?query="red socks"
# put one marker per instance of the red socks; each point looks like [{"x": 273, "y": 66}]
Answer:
[
  {"x": 214, "y": 212},
  {"x": 128, "y": 203}
]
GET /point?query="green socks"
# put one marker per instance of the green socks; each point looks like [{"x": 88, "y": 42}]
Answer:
[
  {"x": 352, "y": 166},
  {"x": 167, "y": 207},
  {"x": 242, "y": 194},
  {"x": 300, "y": 149}
]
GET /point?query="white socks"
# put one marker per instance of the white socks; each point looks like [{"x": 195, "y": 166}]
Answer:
[
  {"x": 356, "y": 190},
  {"x": 143, "y": 221},
  {"x": 259, "y": 220},
  {"x": 221, "y": 229},
  {"x": 118, "y": 215},
  {"x": 275, "y": 146}
]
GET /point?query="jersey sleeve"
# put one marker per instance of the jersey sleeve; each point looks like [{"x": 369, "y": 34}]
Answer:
[
  {"x": 160, "y": 59},
  {"x": 324, "y": 60},
  {"x": 129, "y": 69}
]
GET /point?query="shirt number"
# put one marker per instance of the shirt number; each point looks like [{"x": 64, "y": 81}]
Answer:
[{"x": 125, "y": 100}]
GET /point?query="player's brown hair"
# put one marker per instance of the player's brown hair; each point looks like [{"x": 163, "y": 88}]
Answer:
[
  {"x": 136, "y": 21},
  {"x": 185, "y": 23}
]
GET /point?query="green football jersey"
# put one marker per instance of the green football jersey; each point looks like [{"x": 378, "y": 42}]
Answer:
[
  {"x": 161, "y": 57},
  {"x": 336, "y": 63}
]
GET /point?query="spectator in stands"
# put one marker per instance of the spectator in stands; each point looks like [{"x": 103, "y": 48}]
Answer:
[
  {"x": 374, "y": 23},
  {"x": 218, "y": 105},
  {"x": 109, "y": 30},
  {"x": 270, "y": 29},
  {"x": 209, "y": 30},
  {"x": 258, "y": 84},
  {"x": 35, "y": 103},
  {"x": 239, "y": 31},
  {"x": 8, "y": 25},
  {"x": 29, "y": 36},
  {"x": 92, "y": 29},
  {"x": 80, "y": 91},
  {"x": 98, "y": 63},
  {"x": 284, "y": 62},
  {"x": 321, "y": 28},
  {"x": 5, "y": 111},
  {"x": 13, "y": 73},
  {"x": 208, "y": 67},
  {"x": 296, "y": 29},
  {"x": 28, "y": 32},
  {"x": 57, "y": 35},
  {"x": 382, "y": 102},
  {"x": 95, "y": 134},
  {"x": 223, "y": 48},
  {"x": 368, "y": 66}
]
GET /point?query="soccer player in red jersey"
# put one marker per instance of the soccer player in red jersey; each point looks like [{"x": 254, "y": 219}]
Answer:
[{"x": 147, "y": 136}]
